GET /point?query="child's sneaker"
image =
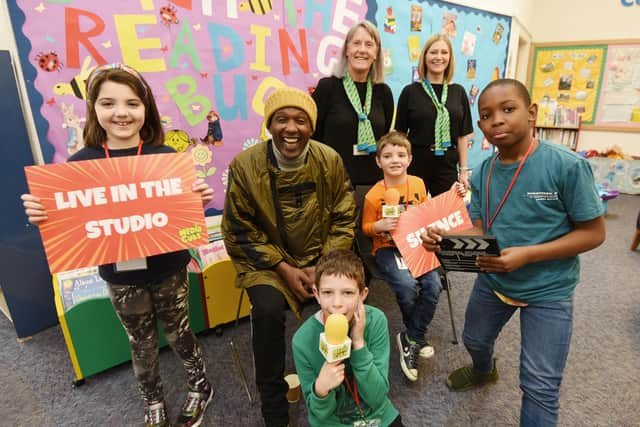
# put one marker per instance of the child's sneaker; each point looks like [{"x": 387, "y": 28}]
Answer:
[
  {"x": 156, "y": 416},
  {"x": 427, "y": 351},
  {"x": 194, "y": 407},
  {"x": 468, "y": 377},
  {"x": 408, "y": 356}
]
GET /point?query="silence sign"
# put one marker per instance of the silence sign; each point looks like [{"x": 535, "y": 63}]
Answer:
[{"x": 458, "y": 253}]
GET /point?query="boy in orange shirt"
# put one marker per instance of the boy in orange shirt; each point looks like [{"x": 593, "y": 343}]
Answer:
[{"x": 417, "y": 297}]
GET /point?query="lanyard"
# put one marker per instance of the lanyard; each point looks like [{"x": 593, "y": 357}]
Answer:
[
  {"x": 354, "y": 393},
  {"x": 406, "y": 194},
  {"x": 490, "y": 220},
  {"x": 106, "y": 150}
]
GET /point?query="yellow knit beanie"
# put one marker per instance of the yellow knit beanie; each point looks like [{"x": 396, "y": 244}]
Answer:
[{"x": 290, "y": 97}]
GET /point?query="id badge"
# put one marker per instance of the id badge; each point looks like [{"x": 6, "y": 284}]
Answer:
[
  {"x": 400, "y": 262},
  {"x": 368, "y": 423},
  {"x": 357, "y": 152},
  {"x": 131, "y": 265}
]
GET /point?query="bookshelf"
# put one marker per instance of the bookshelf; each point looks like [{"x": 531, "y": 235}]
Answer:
[
  {"x": 564, "y": 135},
  {"x": 559, "y": 124}
]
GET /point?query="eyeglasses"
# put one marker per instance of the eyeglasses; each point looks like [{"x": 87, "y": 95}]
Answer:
[{"x": 115, "y": 66}]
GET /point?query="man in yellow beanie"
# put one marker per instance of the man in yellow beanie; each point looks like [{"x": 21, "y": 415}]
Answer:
[{"x": 288, "y": 202}]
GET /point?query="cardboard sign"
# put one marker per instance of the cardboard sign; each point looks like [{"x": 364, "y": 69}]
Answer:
[
  {"x": 117, "y": 209},
  {"x": 458, "y": 253},
  {"x": 447, "y": 211}
]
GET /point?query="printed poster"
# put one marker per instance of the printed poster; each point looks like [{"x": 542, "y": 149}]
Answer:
[
  {"x": 447, "y": 211},
  {"x": 619, "y": 103},
  {"x": 117, "y": 209}
]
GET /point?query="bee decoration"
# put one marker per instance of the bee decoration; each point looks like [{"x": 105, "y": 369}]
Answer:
[{"x": 259, "y": 7}]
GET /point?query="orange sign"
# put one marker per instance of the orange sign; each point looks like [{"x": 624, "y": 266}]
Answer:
[
  {"x": 446, "y": 211},
  {"x": 108, "y": 210}
]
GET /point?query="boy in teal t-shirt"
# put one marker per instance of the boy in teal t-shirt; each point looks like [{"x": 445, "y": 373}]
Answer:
[
  {"x": 350, "y": 392},
  {"x": 540, "y": 201}
]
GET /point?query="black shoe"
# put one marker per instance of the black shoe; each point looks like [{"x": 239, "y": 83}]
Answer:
[
  {"x": 194, "y": 408},
  {"x": 409, "y": 352},
  {"x": 156, "y": 415}
]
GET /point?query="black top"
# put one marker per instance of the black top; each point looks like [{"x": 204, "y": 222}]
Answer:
[
  {"x": 159, "y": 267},
  {"x": 337, "y": 124},
  {"x": 416, "y": 113}
]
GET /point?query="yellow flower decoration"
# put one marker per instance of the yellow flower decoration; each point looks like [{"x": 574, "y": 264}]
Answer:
[{"x": 202, "y": 155}]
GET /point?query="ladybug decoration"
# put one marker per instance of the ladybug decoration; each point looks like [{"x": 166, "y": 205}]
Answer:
[
  {"x": 49, "y": 61},
  {"x": 169, "y": 15}
]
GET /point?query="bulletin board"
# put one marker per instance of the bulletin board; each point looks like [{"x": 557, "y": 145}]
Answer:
[
  {"x": 480, "y": 41},
  {"x": 225, "y": 56},
  {"x": 601, "y": 79}
]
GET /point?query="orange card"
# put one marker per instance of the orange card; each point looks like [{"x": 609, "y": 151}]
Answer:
[
  {"x": 109, "y": 210},
  {"x": 447, "y": 211}
]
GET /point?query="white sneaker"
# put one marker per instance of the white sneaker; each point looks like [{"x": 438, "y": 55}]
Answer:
[{"x": 427, "y": 351}]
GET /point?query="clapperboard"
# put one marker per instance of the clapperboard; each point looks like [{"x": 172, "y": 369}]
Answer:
[{"x": 458, "y": 253}]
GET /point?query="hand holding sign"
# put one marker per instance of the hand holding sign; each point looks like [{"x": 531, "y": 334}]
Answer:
[{"x": 446, "y": 211}]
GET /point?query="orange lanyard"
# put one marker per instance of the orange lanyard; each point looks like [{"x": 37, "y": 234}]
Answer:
[
  {"x": 354, "y": 393},
  {"x": 406, "y": 194},
  {"x": 106, "y": 150},
  {"x": 490, "y": 219}
]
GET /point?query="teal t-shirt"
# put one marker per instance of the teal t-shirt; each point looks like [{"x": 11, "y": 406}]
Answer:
[{"x": 555, "y": 189}]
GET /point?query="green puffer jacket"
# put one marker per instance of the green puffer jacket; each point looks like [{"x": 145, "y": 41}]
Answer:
[{"x": 272, "y": 215}]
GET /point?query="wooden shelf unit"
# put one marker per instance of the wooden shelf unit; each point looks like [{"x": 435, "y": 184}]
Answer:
[{"x": 564, "y": 135}]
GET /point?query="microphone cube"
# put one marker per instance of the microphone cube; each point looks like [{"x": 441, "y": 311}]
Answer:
[
  {"x": 391, "y": 211},
  {"x": 334, "y": 352}
]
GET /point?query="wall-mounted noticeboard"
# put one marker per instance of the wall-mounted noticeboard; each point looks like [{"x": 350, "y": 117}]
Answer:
[{"x": 599, "y": 79}]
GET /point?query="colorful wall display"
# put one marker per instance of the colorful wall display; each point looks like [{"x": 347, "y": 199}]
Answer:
[
  {"x": 569, "y": 77},
  {"x": 211, "y": 63},
  {"x": 620, "y": 94},
  {"x": 599, "y": 80}
]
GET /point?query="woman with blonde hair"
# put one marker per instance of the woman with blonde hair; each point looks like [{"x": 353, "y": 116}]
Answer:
[
  {"x": 355, "y": 106},
  {"x": 435, "y": 115}
]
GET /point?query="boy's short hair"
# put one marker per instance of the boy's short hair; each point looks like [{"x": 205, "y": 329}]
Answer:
[
  {"x": 520, "y": 88},
  {"x": 393, "y": 138},
  {"x": 341, "y": 262}
]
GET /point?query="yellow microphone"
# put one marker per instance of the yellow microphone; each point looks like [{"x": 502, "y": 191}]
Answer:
[
  {"x": 391, "y": 207},
  {"x": 334, "y": 343}
]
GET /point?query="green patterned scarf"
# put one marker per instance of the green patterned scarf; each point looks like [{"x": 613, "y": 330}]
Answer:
[
  {"x": 443, "y": 124},
  {"x": 366, "y": 139}
]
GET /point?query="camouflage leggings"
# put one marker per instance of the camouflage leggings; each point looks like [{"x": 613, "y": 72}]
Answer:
[{"x": 138, "y": 308}]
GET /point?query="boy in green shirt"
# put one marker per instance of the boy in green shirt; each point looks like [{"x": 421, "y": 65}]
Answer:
[{"x": 351, "y": 392}]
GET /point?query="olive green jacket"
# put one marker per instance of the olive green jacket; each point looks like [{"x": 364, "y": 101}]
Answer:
[{"x": 271, "y": 215}]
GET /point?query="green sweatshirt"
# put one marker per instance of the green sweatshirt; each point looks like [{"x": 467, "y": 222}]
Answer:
[{"x": 369, "y": 365}]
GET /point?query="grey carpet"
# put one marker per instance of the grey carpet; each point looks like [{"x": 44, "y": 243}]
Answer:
[{"x": 601, "y": 386}]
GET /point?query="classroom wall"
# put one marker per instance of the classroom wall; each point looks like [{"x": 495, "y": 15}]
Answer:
[
  {"x": 7, "y": 42},
  {"x": 548, "y": 21},
  {"x": 587, "y": 20},
  {"x": 520, "y": 37},
  {"x": 521, "y": 10}
]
